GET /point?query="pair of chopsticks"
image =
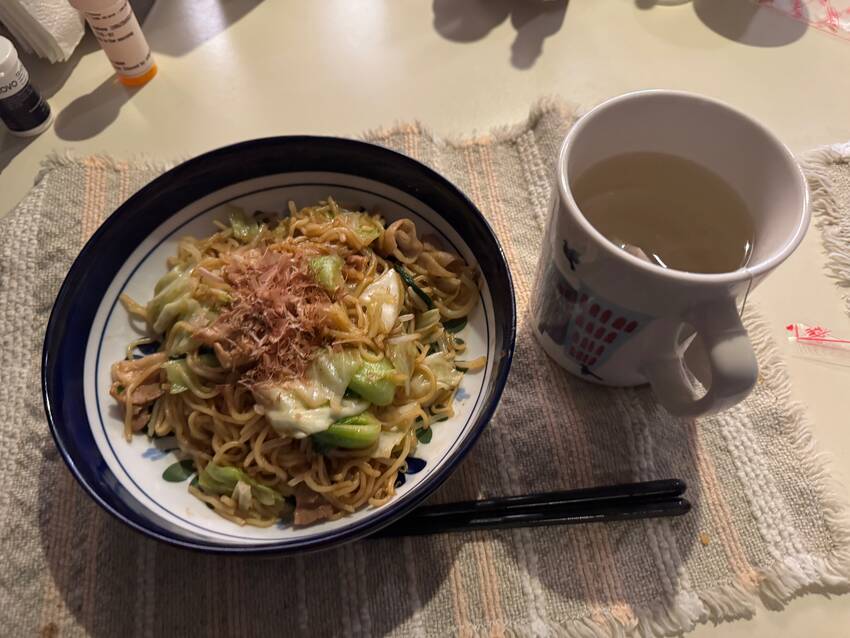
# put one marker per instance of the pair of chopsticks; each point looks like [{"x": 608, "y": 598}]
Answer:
[{"x": 650, "y": 499}]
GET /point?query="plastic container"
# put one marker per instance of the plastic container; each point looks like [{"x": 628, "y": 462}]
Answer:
[
  {"x": 22, "y": 108},
  {"x": 117, "y": 30}
]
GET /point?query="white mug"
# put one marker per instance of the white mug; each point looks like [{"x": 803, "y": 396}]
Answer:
[{"x": 616, "y": 319}]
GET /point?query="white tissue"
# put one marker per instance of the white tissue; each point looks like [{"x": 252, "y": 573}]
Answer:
[{"x": 50, "y": 28}]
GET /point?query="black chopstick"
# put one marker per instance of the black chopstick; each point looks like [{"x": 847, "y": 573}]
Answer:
[{"x": 650, "y": 499}]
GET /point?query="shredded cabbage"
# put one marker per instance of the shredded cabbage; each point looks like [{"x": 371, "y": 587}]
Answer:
[
  {"x": 373, "y": 381},
  {"x": 242, "y": 495},
  {"x": 327, "y": 271},
  {"x": 181, "y": 378},
  {"x": 444, "y": 370},
  {"x": 181, "y": 308},
  {"x": 352, "y": 432},
  {"x": 403, "y": 357},
  {"x": 387, "y": 441},
  {"x": 224, "y": 480},
  {"x": 304, "y": 407},
  {"x": 167, "y": 278},
  {"x": 244, "y": 229},
  {"x": 179, "y": 287},
  {"x": 290, "y": 416},
  {"x": 383, "y": 299}
]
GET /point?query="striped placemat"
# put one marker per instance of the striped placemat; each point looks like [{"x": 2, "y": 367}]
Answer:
[{"x": 766, "y": 522}]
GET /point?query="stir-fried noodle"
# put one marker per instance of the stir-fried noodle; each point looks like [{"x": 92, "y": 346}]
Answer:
[{"x": 298, "y": 357}]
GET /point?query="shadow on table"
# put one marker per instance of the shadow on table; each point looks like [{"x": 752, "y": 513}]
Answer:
[
  {"x": 747, "y": 23},
  {"x": 93, "y": 112},
  {"x": 471, "y": 20},
  {"x": 177, "y": 27},
  {"x": 744, "y": 22},
  {"x": 10, "y": 146}
]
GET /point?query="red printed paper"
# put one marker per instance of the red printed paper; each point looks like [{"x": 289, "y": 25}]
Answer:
[{"x": 832, "y": 16}]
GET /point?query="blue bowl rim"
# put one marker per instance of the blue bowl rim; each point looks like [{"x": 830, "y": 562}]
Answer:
[{"x": 384, "y": 515}]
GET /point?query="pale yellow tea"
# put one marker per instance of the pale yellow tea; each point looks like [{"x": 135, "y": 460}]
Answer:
[{"x": 680, "y": 214}]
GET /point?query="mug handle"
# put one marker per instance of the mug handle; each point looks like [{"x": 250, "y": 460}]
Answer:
[{"x": 731, "y": 359}]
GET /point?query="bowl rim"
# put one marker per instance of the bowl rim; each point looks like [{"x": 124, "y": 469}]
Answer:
[{"x": 385, "y": 514}]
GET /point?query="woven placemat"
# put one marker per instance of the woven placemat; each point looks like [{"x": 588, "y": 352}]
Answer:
[
  {"x": 765, "y": 522},
  {"x": 828, "y": 169}
]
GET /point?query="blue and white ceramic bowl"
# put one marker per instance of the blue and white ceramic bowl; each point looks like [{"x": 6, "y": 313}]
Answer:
[{"x": 89, "y": 329}]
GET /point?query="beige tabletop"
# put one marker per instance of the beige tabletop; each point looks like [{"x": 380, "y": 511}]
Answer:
[{"x": 237, "y": 69}]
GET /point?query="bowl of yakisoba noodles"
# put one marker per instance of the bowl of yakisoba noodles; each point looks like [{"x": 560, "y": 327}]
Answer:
[{"x": 278, "y": 346}]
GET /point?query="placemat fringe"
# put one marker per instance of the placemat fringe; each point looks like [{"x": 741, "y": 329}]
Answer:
[
  {"x": 785, "y": 578},
  {"x": 68, "y": 157},
  {"x": 827, "y": 215},
  {"x": 496, "y": 135}
]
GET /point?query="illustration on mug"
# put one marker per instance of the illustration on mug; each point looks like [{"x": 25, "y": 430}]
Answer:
[
  {"x": 587, "y": 328},
  {"x": 572, "y": 255}
]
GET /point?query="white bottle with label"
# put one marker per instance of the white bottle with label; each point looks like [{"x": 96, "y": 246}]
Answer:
[
  {"x": 22, "y": 109},
  {"x": 116, "y": 28}
]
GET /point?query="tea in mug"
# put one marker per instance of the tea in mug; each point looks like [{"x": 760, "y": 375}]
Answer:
[{"x": 680, "y": 214}]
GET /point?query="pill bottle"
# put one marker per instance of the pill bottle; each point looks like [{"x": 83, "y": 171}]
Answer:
[
  {"x": 117, "y": 30},
  {"x": 22, "y": 108}
]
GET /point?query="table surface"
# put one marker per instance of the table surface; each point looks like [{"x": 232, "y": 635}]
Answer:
[{"x": 238, "y": 69}]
